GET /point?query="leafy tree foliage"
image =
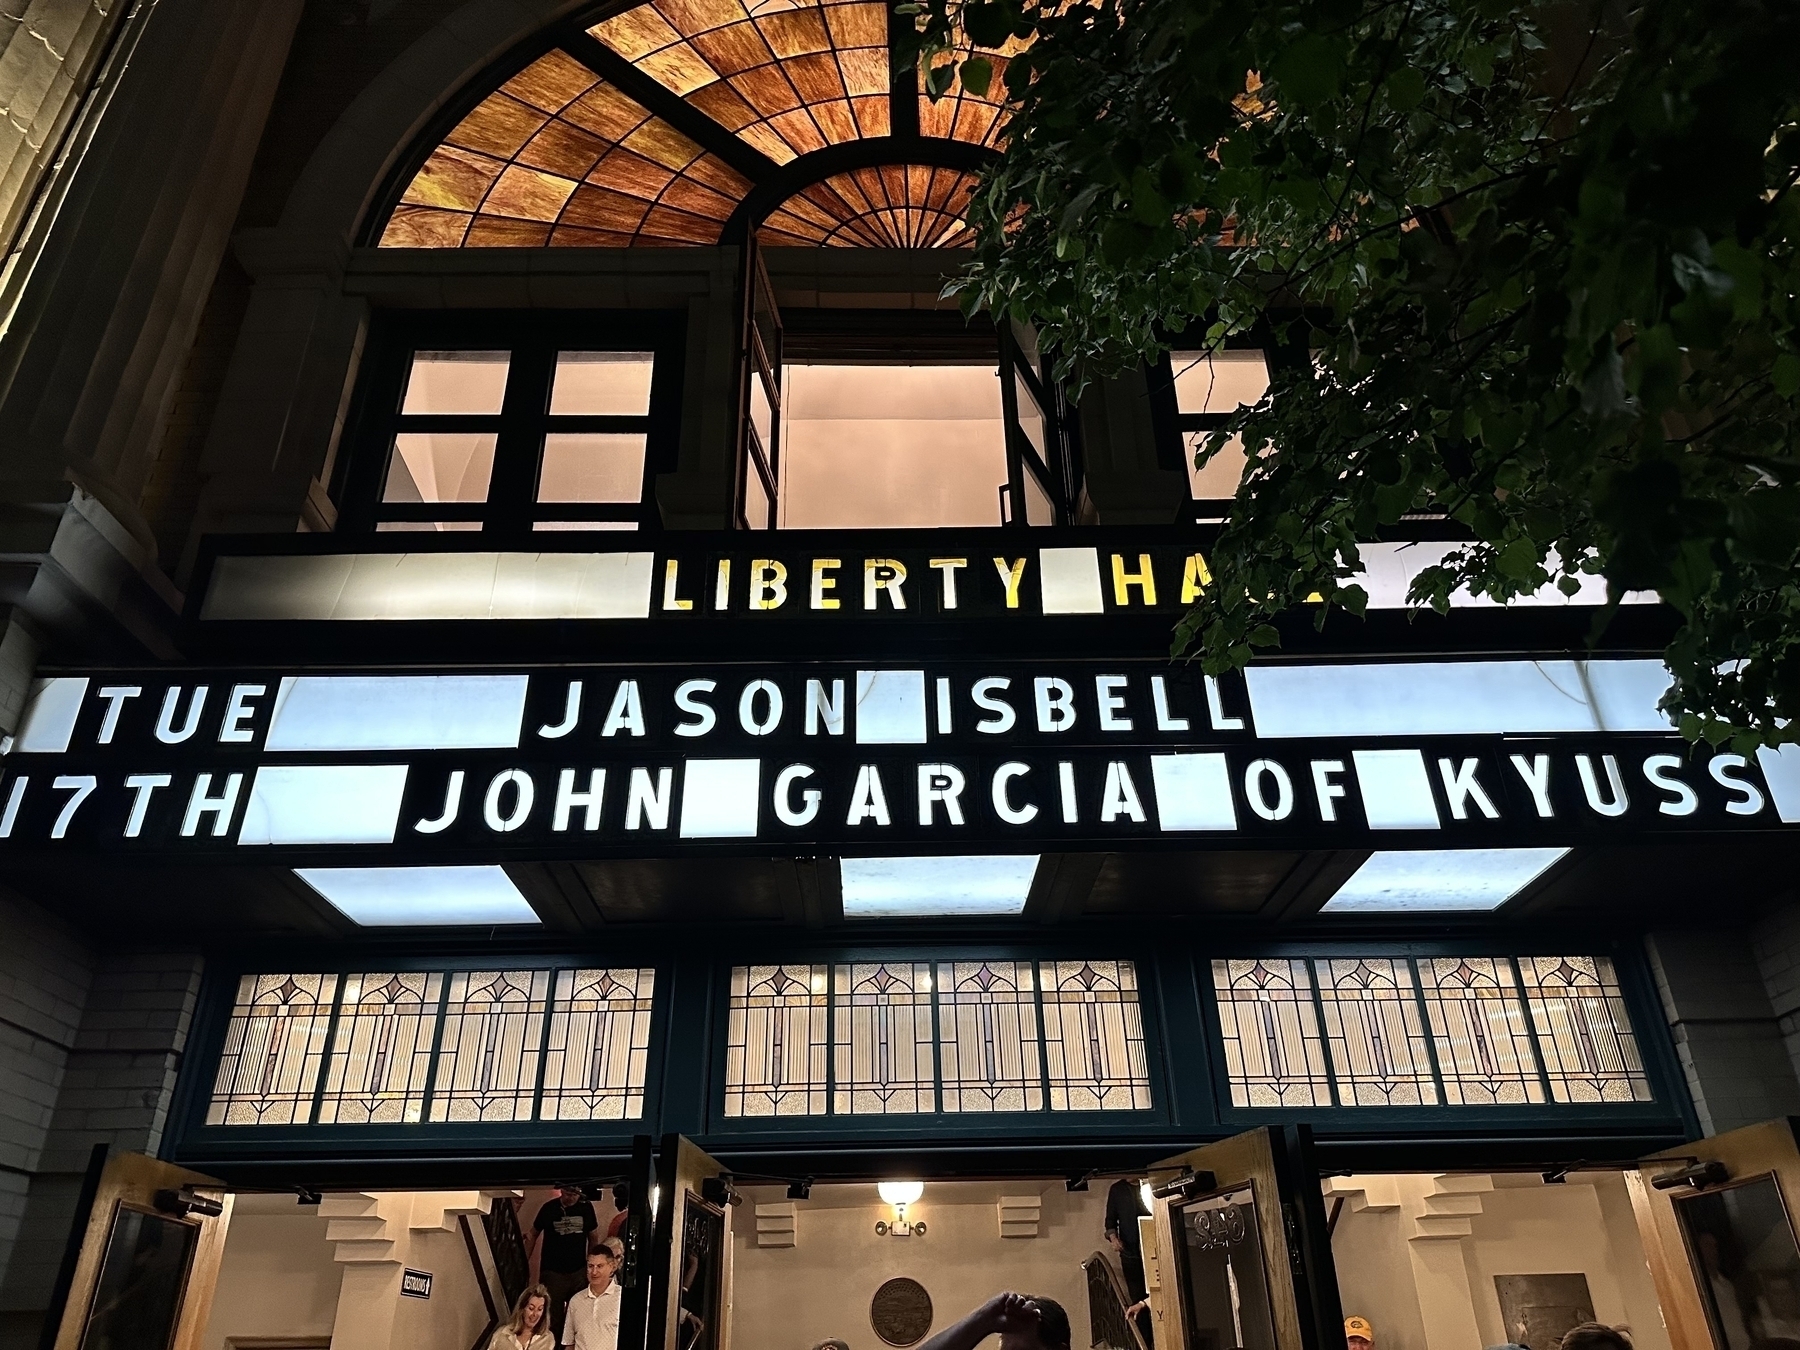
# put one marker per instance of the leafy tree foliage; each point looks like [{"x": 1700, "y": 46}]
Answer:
[{"x": 1542, "y": 256}]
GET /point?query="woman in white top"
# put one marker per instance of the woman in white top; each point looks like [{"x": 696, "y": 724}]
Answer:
[{"x": 530, "y": 1325}]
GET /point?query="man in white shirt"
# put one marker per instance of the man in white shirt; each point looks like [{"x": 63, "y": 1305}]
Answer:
[{"x": 592, "y": 1321}]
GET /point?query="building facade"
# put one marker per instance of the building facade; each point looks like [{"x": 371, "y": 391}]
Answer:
[{"x": 530, "y": 625}]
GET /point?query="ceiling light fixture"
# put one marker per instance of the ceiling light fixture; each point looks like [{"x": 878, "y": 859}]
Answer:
[
  {"x": 420, "y": 897},
  {"x": 1476, "y": 880},
  {"x": 952, "y": 887}
]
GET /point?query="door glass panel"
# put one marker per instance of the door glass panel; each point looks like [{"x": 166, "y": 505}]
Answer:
[
  {"x": 1224, "y": 1287},
  {"x": 762, "y": 416},
  {"x": 1031, "y": 417},
  {"x": 439, "y": 467},
  {"x": 702, "y": 1276},
  {"x": 592, "y": 467},
  {"x": 142, "y": 1277},
  {"x": 459, "y": 383},
  {"x": 1745, "y": 1261},
  {"x": 758, "y": 510},
  {"x": 1038, "y": 507},
  {"x": 602, "y": 384}
]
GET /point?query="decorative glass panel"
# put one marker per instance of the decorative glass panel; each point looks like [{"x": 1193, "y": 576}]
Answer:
[
  {"x": 1375, "y": 1032},
  {"x": 1094, "y": 1037},
  {"x": 885, "y": 206},
  {"x": 1590, "y": 1052},
  {"x": 988, "y": 1036},
  {"x": 382, "y": 1049},
  {"x": 882, "y": 1040},
  {"x": 599, "y": 1045},
  {"x": 274, "y": 1047},
  {"x": 1478, "y": 1024},
  {"x": 1270, "y": 1027},
  {"x": 489, "y": 1049},
  {"x": 775, "y": 1062}
]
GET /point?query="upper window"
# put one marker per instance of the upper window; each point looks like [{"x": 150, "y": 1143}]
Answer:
[
  {"x": 662, "y": 122},
  {"x": 1209, "y": 387},
  {"x": 961, "y": 1037},
  {"x": 513, "y": 426}
]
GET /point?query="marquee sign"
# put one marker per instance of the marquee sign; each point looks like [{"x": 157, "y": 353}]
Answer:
[{"x": 951, "y": 756}]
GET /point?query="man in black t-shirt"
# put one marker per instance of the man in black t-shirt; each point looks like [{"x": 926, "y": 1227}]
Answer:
[
  {"x": 563, "y": 1226},
  {"x": 1124, "y": 1206}
]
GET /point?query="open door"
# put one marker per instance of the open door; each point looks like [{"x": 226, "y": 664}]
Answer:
[
  {"x": 1717, "y": 1221},
  {"x": 688, "y": 1263},
  {"x": 1037, "y": 491},
  {"x": 148, "y": 1258},
  {"x": 1242, "y": 1258},
  {"x": 759, "y": 398}
]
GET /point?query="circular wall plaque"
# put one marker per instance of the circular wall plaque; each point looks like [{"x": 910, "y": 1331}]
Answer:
[{"x": 901, "y": 1312}]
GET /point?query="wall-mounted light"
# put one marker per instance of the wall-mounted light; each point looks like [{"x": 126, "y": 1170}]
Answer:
[{"x": 900, "y": 1194}]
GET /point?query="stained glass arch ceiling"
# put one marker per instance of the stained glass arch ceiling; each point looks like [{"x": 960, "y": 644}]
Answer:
[{"x": 688, "y": 122}]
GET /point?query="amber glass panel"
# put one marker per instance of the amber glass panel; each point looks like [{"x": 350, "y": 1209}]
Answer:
[
  {"x": 775, "y": 1041},
  {"x": 556, "y": 157},
  {"x": 964, "y": 116},
  {"x": 787, "y": 78},
  {"x": 274, "y": 1049},
  {"x": 892, "y": 206},
  {"x": 882, "y": 1039}
]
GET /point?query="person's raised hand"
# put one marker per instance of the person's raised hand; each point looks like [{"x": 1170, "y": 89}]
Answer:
[{"x": 1010, "y": 1312}]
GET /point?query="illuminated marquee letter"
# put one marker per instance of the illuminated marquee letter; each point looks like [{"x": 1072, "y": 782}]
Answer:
[
  {"x": 166, "y": 731},
  {"x": 115, "y": 696},
  {"x": 671, "y": 584},
  {"x": 884, "y": 574},
  {"x": 1003, "y": 807},
  {"x": 785, "y": 810},
  {"x": 822, "y": 583},
  {"x": 1055, "y": 703},
  {"x": 571, "y": 714},
  {"x": 452, "y": 805},
  {"x": 1112, "y": 704},
  {"x": 768, "y": 584},
  {"x": 1011, "y": 574},
  {"x": 219, "y": 807},
  {"x": 941, "y": 783},
  {"x": 867, "y": 800},
  {"x": 10, "y": 816},
  {"x": 1003, "y": 716},
  {"x": 80, "y": 787},
  {"x": 947, "y": 568},
  {"x": 645, "y": 801},
  {"x": 1065, "y": 784},
  {"x": 1747, "y": 798},
  {"x": 1119, "y": 797},
  {"x": 1159, "y": 699},
  {"x": 567, "y": 799},
  {"x": 524, "y": 798},
  {"x": 819, "y": 709},
  {"x": 1255, "y": 791},
  {"x": 1196, "y": 576},
  {"x": 722, "y": 586},
  {"x": 747, "y": 718},
  {"x": 238, "y": 711},
  {"x": 1325, "y": 789},
  {"x": 1584, "y": 765},
  {"x": 627, "y": 711},
  {"x": 142, "y": 785},
  {"x": 705, "y": 719},
  {"x": 1660, "y": 770},
  {"x": 1215, "y": 707},
  {"x": 1536, "y": 773},
  {"x": 1461, "y": 787},
  {"x": 1144, "y": 579}
]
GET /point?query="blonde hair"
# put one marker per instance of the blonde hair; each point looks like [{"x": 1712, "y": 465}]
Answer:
[{"x": 518, "y": 1317}]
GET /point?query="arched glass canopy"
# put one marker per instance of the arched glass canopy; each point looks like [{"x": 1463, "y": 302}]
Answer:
[{"x": 691, "y": 122}]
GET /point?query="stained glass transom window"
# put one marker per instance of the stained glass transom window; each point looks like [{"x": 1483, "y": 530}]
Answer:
[
  {"x": 906, "y": 1038},
  {"x": 723, "y": 93},
  {"x": 1431, "y": 1031},
  {"x": 400, "y": 1048}
]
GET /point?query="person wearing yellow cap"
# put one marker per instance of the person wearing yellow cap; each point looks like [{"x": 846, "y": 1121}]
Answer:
[{"x": 1358, "y": 1334}]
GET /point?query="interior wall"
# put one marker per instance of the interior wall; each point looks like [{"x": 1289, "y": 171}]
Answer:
[
  {"x": 791, "y": 1298},
  {"x": 1417, "y": 1254},
  {"x": 279, "y": 1276}
]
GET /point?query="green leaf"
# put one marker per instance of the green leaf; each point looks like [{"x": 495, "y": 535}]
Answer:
[
  {"x": 989, "y": 24},
  {"x": 1308, "y": 73},
  {"x": 1785, "y": 374},
  {"x": 977, "y": 73},
  {"x": 1406, "y": 89}
]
